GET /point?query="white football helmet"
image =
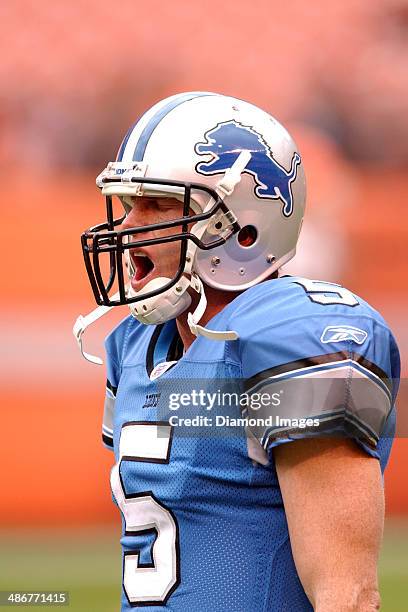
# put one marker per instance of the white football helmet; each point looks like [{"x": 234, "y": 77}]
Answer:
[{"x": 240, "y": 177}]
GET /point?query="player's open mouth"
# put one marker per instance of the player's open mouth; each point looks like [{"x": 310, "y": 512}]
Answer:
[{"x": 143, "y": 266}]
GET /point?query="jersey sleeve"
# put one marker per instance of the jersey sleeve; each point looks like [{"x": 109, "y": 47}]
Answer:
[
  {"x": 109, "y": 404},
  {"x": 317, "y": 368},
  {"x": 113, "y": 349}
]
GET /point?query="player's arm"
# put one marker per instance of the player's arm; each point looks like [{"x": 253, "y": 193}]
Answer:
[{"x": 334, "y": 503}]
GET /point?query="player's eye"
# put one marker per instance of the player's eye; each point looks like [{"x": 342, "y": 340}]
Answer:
[{"x": 169, "y": 204}]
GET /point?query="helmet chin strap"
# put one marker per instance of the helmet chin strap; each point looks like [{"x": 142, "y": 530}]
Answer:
[
  {"x": 171, "y": 303},
  {"x": 83, "y": 322}
]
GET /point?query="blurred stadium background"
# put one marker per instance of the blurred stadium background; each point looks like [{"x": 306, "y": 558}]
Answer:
[{"x": 73, "y": 77}]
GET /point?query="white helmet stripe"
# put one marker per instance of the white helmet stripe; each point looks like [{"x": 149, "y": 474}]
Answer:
[
  {"x": 134, "y": 145},
  {"x": 129, "y": 142}
]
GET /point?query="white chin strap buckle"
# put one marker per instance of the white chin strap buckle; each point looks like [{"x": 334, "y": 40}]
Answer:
[
  {"x": 83, "y": 322},
  {"x": 78, "y": 330},
  {"x": 199, "y": 330}
]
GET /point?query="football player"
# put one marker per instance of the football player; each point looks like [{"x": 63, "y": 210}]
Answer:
[{"x": 272, "y": 501}]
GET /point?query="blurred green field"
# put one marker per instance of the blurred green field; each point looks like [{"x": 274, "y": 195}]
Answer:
[
  {"x": 394, "y": 567},
  {"x": 87, "y": 564}
]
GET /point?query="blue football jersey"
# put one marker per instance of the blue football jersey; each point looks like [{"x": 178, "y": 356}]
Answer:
[{"x": 204, "y": 524}]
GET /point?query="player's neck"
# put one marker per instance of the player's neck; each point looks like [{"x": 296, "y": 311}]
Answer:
[{"x": 216, "y": 301}]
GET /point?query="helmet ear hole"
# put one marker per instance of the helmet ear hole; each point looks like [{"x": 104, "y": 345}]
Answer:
[{"x": 247, "y": 235}]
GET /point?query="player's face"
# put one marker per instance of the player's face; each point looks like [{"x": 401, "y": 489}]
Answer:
[{"x": 158, "y": 260}]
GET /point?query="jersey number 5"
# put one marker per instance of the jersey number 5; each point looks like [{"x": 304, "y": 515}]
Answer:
[
  {"x": 152, "y": 583},
  {"x": 327, "y": 293}
]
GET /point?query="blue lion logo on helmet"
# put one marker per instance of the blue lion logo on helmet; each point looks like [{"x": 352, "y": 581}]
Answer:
[{"x": 226, "y": 141}]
